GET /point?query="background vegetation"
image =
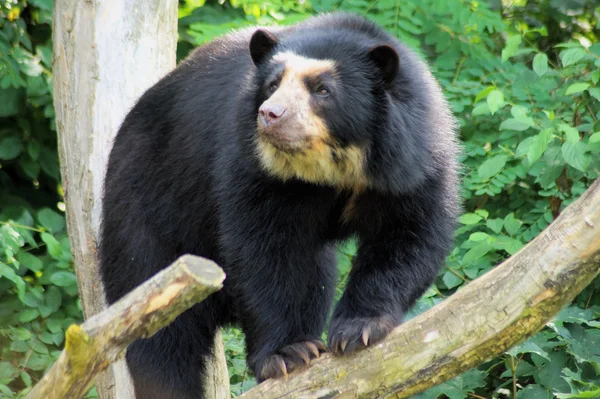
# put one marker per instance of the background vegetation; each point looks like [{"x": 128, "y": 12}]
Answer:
[{"x": 522, "y": 77}]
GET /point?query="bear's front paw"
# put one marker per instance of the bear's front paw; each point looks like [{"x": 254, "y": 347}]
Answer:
[
  {"x": 349, "y": 334},
  {"x": 289, "y": 358}
]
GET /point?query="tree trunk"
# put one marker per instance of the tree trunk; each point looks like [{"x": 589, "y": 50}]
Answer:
[
  {"x": 106, "y": 54},
  {"x": 482, "y": 320}
]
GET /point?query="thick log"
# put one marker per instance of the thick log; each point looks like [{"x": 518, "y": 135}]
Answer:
[
  {"x": 482, "y": 320},
  {"x": 102, "y": 339}
]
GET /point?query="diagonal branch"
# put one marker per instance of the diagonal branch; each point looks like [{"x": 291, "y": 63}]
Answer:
[
  {"x": 484, "y": 319},
  {"x": 93, "y": 346}
]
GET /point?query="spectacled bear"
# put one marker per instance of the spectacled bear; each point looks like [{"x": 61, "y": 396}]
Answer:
[{"x": 261, "y": 151}]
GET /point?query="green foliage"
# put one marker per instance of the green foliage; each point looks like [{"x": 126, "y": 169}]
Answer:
[
  {"x": 38, "y": 291},
  {"x": 521, "y": 76}
]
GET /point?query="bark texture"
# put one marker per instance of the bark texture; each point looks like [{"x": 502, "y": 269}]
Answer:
[
  {"x": 103, "y": 338},
  {"x": 485, "y": 318},
  {"x": 106, "y": 54}
]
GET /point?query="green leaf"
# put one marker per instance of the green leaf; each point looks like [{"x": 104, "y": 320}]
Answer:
[
  {"x": 28, "y": 315},
  {"x": 595, "y": 92},
  {"x": 29, "y": 261},
  {"x": 53, "y": 298},
  {"x": 576, "y": 88},
  {"x": 51, "y": 220},
  {"x": 39, "y": 362},
  {"x": 548, "y": 373},
  {"x": 9, "y": 273},
  {"x": 484, "y": 213},
  {"x": 495, "y": 225},
  {"x": 585, "y": 344},
  {"x": 514, "y": 124},
  {"x": 20, "y": 334},
  {"x": 7, "y": 371},
  {"x": 54, "y": 324},
  {"x": 508, "y": 244},
  {"x": 492, "y": 166},
  {"x": 30, "y": 167},
  {"x": 528, "y": 347},
  {"x": 10, "y": 147},
  {"x": 483, "y": 93},
  {"x": 458, "y": 387},
  {"x": 573, "y": 314},
  {"x": 512, "y": 224},
  {"x": 594, "y": 138},
  {"x": 58, "y": 338},
  {"x": 495, "y": 101},
  {"x": 580, "y": 387},
  {"x": 54, "y": 248},
  {"x": 469, "y": 218},
  {"x": 481, "y": 109},
  {"x": 11, "y": 101},
  {"x": 539, "y": 144},
  {"x": 540, "y": 64},
  {"x": 63, "y": 279},
  {"x": 571, "y": 134},
  {"x": 26, "y": 378},
  {"x": 31, "y": 300},
  {"x": 19, "y": 346},
  {"x": 33, "y": 149},
  {"x": 45, "y": 310},
  {"x": 524, "y": 146},
  {"x": 520, "y": 112},
  {"x": 40, "y": 347},
  {"x": 595, "y": 394},
  {"x": 477, "y": 252},
  {"x": 571, "y": 56},
  {"x": 43, "y": 4},
  {"x": 512, "y": 45},
  {"x": 451, "y": 280},
  {"x": 576, "y": 155},
  {"x": 479, "y": 236},
  {"x": 534, "y": 391}
]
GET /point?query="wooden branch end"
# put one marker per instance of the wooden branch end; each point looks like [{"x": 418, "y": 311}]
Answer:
[{"x": 205, "y": 271}]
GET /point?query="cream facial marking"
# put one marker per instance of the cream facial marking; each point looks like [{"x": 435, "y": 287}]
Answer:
[
  {"x": 301, "y": 66},
  {"x": 315, "y": 165},
  {"x": 293, "y": 141}
]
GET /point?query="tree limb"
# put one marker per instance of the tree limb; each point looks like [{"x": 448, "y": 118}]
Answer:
[
  {"x": 488, "y": 316},
  {"x": 102, "y": 339}
]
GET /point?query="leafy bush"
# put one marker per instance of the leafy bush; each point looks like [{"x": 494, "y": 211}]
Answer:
[
  {"x": 521, "y": 76},
  {"x": 38, "y": 291}
]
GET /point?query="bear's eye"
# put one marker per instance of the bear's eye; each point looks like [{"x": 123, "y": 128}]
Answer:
[
  {"x": 322, "y": 91},
  {"x": 272, "y": 87}
]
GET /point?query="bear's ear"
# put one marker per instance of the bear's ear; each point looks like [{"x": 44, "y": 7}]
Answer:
[
  {"x": 387, "y": 59},
  {"x": 261, "y": 43}
]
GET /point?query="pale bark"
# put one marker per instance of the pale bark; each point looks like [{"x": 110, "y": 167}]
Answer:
[
  {"x": 482, "y": 320},
  {"x": 103, "y": 338},
  {"x": 106, "y": 54}
]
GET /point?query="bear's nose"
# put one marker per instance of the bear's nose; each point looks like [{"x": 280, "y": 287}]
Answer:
[{"x": 270, "y": 113}]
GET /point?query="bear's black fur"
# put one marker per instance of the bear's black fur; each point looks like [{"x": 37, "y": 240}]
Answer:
[{"x": 185, "y": 176}]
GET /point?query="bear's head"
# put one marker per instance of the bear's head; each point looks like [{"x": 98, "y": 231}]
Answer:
[{"x": 320, "y": 98}]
